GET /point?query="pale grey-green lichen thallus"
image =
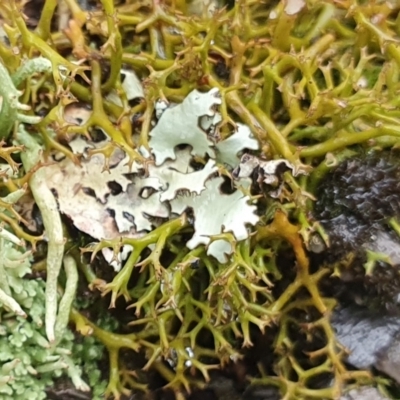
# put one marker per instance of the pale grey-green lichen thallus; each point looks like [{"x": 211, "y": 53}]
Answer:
[
  {"x": 48, "y": 207},
  {"x": 10, "y": 107}
]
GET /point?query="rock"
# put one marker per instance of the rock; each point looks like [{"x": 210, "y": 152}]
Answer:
[
  {"x": 364, "y": 393},
  {"x": 354, "y": 203},
  {"x": 372, "y": 339}
]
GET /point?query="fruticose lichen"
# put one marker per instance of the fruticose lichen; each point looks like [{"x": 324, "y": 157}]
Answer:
[
  {"x": 29, "y": 363},
  {"x": 187, "y": 142}
]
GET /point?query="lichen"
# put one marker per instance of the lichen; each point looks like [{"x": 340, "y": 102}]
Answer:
[
  {"x": 30, "y": 364},
  {"x": 201, "y": 191}
]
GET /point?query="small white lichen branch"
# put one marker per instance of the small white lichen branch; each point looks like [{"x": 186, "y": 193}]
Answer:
[
  {"x": 71, "y": 272},
  {"x": 9, "y": 94},
  {"x": 47, "y": 205}
]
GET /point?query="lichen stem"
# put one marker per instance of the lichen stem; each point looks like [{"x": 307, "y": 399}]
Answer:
[
  {"x": 71, "y": 272},
  {"x": 48, "y": 207},
  {"x": 348, "y": 139}
]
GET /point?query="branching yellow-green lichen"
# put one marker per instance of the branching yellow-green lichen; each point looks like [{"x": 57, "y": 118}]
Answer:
[{"x": 313, "y": 86}]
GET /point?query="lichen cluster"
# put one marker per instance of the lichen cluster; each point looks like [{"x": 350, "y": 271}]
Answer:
[
  {"x": 30, "y": 364},
  {"x": 316, "y": 82}
]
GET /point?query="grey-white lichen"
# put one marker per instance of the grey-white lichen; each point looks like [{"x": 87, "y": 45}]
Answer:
[
  {"x": 48, "y": 207},
  {"x": 215, "y": 213},
  {"x": 181, "y": 125},
  {"x": 28, "y": 362},
  {"x": 181, "y": 136},
  {"x": 10, "y": 107},
  {"x": 13, "y": 264}
]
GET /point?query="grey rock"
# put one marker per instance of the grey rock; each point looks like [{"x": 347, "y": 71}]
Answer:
[
  {"x": 364, "y": 333},
  {"x": 364, "y": 393}
]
